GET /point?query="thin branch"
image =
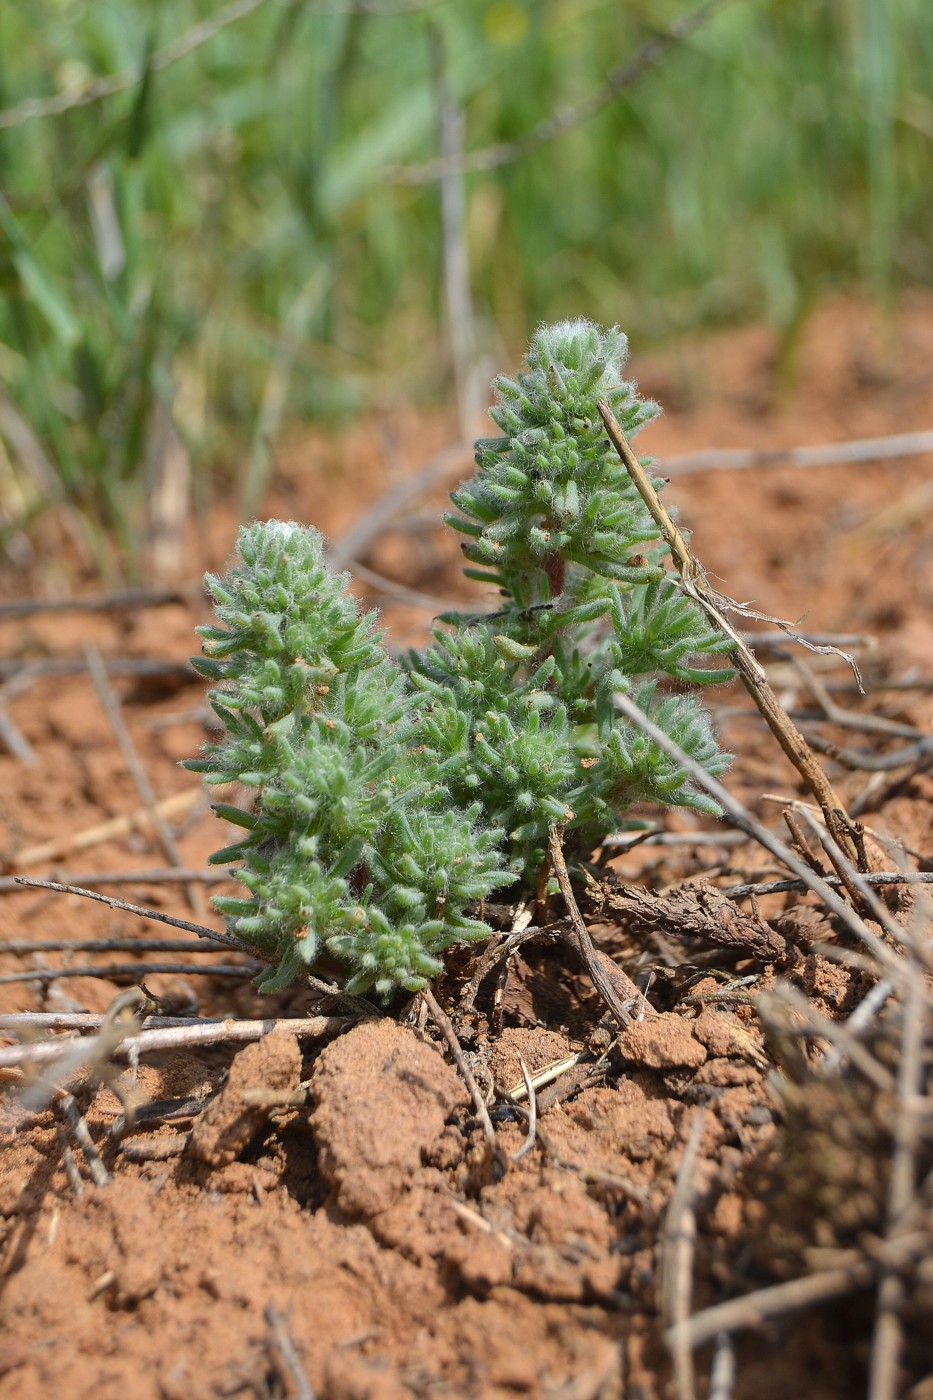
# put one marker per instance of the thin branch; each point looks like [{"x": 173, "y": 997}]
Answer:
[
  {"x": 695, "y": 585},
  {"x": 677, "y": 1245},
  {"x": 615, "y": 987},
  {"x": 830, "y": 454},
  {"x": 722, "y": 1374},
  {"x": 159, "y": 875},
  {"x": 391, "y": 588},
  {"x": 114, "y": 712},
  {"x": 24, "y": 947},
  {"x": 530, "y": 1135},
  {"x": 227, "y": 939},
  {"x": 15, "y": 742},
  {"x": 69, "y": 1163},
  {"x": 777, "y": 1301},
  {"x": 743, "y": 819},
  {"x": 49, "y": 851},
  {"x": 288, "y": 1363},
  {"x": 82, "y": 1135},
  {"x": 850, "y": 719},
  {"x": 355, "y": 542},
  {"x": 181, "y": 1035},
  {"x": 101, "y": 88},
  {"x": 112, "y": 971},
  {"x": 887, "y": 1340},
  {"x": 131, "y": 600},
  {"x": 563, "y": 119},
  {"x": 144, "y": 666},
  {"x": 877, "y": 879},
  {"x": 920, "y": 755},
  {"x": 445, "y": 1025}
]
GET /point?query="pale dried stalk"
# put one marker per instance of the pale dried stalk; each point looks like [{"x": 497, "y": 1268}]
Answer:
[
  {"x": 677, "y": 1245},
  {"x": 755, "y": 1308},
  {"x": 445, "y": 1025},
  {"x": 114, "y": 712},
  {"x": 744, "y": 819},
  {"x": 695, "y": 585},
  {"x": 174, "y": 806},
  {"x": 176, "y": 1037},
  {"x": 615, "y": 987}
]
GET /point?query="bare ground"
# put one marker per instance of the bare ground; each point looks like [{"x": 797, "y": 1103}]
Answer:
[{"x": 324, "y": 1216}]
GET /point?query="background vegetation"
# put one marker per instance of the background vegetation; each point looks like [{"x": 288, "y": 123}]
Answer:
[{"x": 232, "y": 236}]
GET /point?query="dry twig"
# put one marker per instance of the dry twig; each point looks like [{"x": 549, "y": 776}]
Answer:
[
  {"x": 82, "y": 1134},
  {"x": 445, "y": 1026},
  {"x": 157, "y": 876},
  {"x": 562, "y": 119},
  {"x": 113, "y": 710},
  {"x": 777, "y": 1301},
  {"x": 213, "y": 935},
  {"x": 744, "y": 819},
  {"x": 887, "y": 1340},
  {"x": 827, "y": 454},
  {"x": 282, "y": 1348},
  {"x": 695, "y": 585},
  {"x": 529, "y": 1142},
  {"x": 677, "y": 1244},
  {"x": 615, "y": 987},
  {"x": 113, "y": 971},
  {"x": 182, "y": 1033},
  {"x": 176, "y": 805},
  {"x": 100, "y": 88}
]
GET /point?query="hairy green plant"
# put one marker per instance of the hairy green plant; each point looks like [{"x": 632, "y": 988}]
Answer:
[{"x": 387, "y": 798}]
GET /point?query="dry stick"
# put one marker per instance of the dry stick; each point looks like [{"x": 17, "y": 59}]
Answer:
[
  {"x": 529, "y": 1142},
  {"x": 848, "y": 719},
  {"x": 145, "y": 666},
  {"x": 756, "y": 1308},
  {"x": 722, "y": 1373},
  {"x": 100, "y": 88},
  {"x": 355, "y": 541},
  {"x": 878, "y": 879},
  {"x": 24, "y": 947},
  {"x": 887, "y": 1340},
  {"x": 615, "y": 987},
  {"x": 82, "y": 1133},
  {"x": 14, "y": 741},
  {"x": 172, "y": 806},
  {"x": 458, "y": 301},
  {"x": 859, "y": 1021},
  {"x": 760, "y": 833},
  {"x": 828, "y": 454},
  {"x": 68, "y": 1159},
  {"x": 391, "y": 588},
  {"x": 450, "y": 1035},
  {"x": 113, "y": 710},
  {"x": 292, "y": 1372},
  {"x": 776, "y": 643},
  {"x": 213, "y": 935},
  {"x": 867, "y": 761},
  {"x": 562, "y": 119},
  {"x": 694, "y": 584},
  {"x": 677, "y": 1244},
  {"x": 180, "y": 1036},
  {"x": 111, "y": 971},
  {"x": 94, "y": 602},
  {"x": 353, "y": 1005},
  {"x": 159, "y": 875},
  {"x": 809, "y": 1024},
  {"x": 900, "y": 935},
  {"x": 500, "y": 951}
]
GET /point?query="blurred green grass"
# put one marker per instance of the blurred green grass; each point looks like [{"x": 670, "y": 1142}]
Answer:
[{"x": 215, "y": 252}]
